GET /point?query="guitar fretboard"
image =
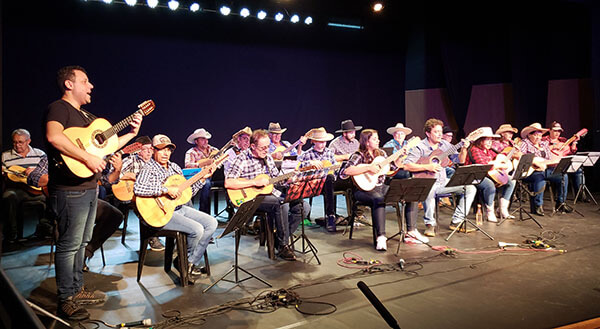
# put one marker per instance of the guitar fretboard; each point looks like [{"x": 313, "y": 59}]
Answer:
[{"x": 119, "y": 126}]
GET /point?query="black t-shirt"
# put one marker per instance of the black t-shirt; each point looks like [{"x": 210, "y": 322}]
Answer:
[{"x": 60, "y": 177}]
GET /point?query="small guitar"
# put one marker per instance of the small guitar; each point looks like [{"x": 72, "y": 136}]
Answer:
[
  {"x": 441, "y": 158},
  {"x": 285, "y": 150},
  {"x": 157, "y": 211},
  {"x": 123, "y": 190},
  {"x": 99, "y": 138},
  {"x": 367, "y": 181},
  {"x": 502, "y": 166},
  {"x": 565, "y": 149},
  {"x": 17, "y": 175}
]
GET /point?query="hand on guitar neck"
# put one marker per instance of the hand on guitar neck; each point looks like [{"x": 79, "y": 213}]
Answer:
[{"x": 281, "y": 150}]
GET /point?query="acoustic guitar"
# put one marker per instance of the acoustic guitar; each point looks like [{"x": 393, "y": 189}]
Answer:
[
  {"x": 123, "y": 190},
  {"x": 367, "y": 181},
  {"x": 157, "y": 211},
  {"x": 99, "y": 138},
  {"x": 17, "y": 175},
  {"x": 285, "y": 150},
  {"x": 565, "y": 149},
  {"x": 440, "y": 157},
  {"x": 502, "y": 166}
]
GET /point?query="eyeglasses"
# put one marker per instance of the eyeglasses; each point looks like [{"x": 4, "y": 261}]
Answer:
[{"x": 262, "y": 148}]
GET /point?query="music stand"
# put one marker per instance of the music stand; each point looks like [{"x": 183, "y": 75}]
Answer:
[
  {"x": 305, "y": 185},
  {"x": 589, "y": 160},
  {"x": 561, "y": 169},
  {"x": 241, "y": 217},
  {"x": 407, "y": 190},
  {"x": 519, "y": 174},
  {"x": 463, "y": 176}
]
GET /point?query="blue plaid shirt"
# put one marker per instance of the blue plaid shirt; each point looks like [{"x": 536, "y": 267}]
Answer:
[
  {"x": 150, "y": 180},
  {"x": 133, "y": 163},
  {"x": 312, "y": 154},
  {"x": 247, "y": 166}
]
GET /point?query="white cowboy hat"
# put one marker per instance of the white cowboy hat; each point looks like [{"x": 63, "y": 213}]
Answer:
[
  {"x": 487, "y": 132},
  {"x": 531, "y": 128},
  {"x": 275, "y": 128},
  {"x": 198, "y": 133},
  {"x": 399, "y": 127},
  {"x": 320, "y": 135},
  {"x": 506, "y": 127}
]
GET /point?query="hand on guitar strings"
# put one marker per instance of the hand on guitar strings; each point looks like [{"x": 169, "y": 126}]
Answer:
[
  {"x": 116, "y": 161},
  {"x": 434, "y": 167},
  {"x": 95, "y": 163},
  {"x": 261, "y": 181},
  {"x": 173, "y": 192}
]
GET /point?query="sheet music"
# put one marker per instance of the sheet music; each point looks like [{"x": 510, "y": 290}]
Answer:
[
  {"x": 591, "y": 159},
  {"x": 288, "y": 166},
  {"x": 576, "y": 163}
]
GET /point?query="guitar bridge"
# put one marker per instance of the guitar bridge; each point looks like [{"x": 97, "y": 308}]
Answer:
[
  {"x": 160, "y": 204},
  {"x": 80, "y": 144}
]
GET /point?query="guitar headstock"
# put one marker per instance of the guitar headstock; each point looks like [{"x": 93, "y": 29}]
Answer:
[
  {"x": 582, "y": 133},
  {"x": 220, "y": 159},
  {"x": 132, "y": 148},
  {"x": 413, "y": 141},
  {"x": 147, "y": 107}
]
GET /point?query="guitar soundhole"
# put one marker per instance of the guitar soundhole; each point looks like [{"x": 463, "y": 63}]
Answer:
[
  {"x": 435, "y": 160},
  {"x": 99, "y": 139}
]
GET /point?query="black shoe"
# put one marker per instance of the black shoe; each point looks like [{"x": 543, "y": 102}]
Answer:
[
  {"x": 155, "y": 244},
  {"x": 286, "y": 253},
  {"x": 71, "y": 310},
  {"x": 564, "y": 208},
  {"x": 191, "y": 278},
  {"x": 539, "y": 210},
  {"x": 331, "y": 224},
  {"x": 197, "y": 270}
]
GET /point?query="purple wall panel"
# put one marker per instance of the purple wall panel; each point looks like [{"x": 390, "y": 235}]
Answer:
[
  {"x": 564, "y": 105},
  {"x": 423, "y": 104},
  {"x": 486, "y": 107}
]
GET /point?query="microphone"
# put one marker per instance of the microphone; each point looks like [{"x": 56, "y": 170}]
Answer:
[
  {"x": 387, "y": 316},
  {"x": 145, "y": 322},
  {"x": 401, "y": 263}
]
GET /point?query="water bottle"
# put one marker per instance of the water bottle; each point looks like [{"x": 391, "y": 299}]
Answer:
[{"x": 479, "y": 216}]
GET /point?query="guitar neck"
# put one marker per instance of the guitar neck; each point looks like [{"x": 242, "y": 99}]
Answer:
[
  {"x": 202, "y": 173},
  {"x": 119, "y": 126},
  {"x": 291, "y": 147},
  {"x": 452, "y": 149}
]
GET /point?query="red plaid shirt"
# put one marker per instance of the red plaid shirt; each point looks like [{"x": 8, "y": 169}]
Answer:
[{"x": 480, "y": 156}]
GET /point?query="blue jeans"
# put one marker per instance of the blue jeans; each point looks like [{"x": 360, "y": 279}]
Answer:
[
  {"x": 459, "y": 212},
  {"x": 488, "y": 189},
  {"x": 199, "y": 228},
  {"x": 286, "y": 216},
  {"x": 75, "y": 213},
  {"x": 578, "y": 179},
  {"x": 204, "y": 194},
  {"x": 374, "y": 199},
  {"x": 537, "y": 183}
]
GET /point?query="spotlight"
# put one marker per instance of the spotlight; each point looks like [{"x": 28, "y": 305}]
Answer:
[
  {"x": 279, "y": 17},
  {"x": 131, "y": 2},
  {"x": 261, "y": 14},
  {"x": 152, "y": 3},
  {"x": 107, "y": 1},
  {"x": 244, "y": 12},
  {"x": 308, "y": 20},
  {"x": 194, "y": 7},
  {"x": 173, "y": 5},
  {"x": 295, "y": 19},
  {"x": 377, "y": 7},
  {"x": 225, "y": 10}
]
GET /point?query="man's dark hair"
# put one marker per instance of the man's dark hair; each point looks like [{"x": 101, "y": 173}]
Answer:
[{"x": 67, "y": 73}]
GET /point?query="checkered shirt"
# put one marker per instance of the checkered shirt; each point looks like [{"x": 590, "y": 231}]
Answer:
[
  {"x": 150, "y": 180},
  {"x": 247, "y": 166},
  {"x": 133, "y": 163},
  {"x": 341, "y": 146},
  {"x": 312, "y": 154},
  {"x": 193, "y": 155},
  {"x": 543, "y": 151},
  {"x": 480, "y": 156}
]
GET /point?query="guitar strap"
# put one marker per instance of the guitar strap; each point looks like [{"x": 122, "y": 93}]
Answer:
[{"x": 90, "y": 117}]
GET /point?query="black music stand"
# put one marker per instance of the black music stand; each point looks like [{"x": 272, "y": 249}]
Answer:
[
  {"x": 463, "y": 176},
  {"x": 519, "y": 174},
  {"x": 561, "y": 169},
  {"x": 589, "y": 161},
  {"x": 237, "y": 222},
  {"x": 305, "y": 185},
  {"x": 407, "y": 190}
]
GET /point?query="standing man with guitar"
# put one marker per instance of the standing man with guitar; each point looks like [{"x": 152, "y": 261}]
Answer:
[
  {"x": 73, "y": 199},
  {"x": 19, "y": 162},
  {"x": 252, "y": 169},
  {"x": 421, "y": 160},
  {"x": 199, "y": 156},
  {"x": 278, "y": 148}
]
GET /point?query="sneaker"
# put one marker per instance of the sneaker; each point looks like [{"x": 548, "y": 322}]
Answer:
[
  {"x": 410, "y": 240},
  {"x": 381, "y": 243},
  {"x": 429, "y": 230},
  {"x": 156, "y": 245},
  {"x": 331, "y": 224},
  {"x": 71, "y": 310},
  {"x": 286, "y": 253},
  {"x": 86, "y": 297},
  {"x": 415, "y": 234},
  {"x": 197, "y": 270},
  {"x": 468, "y": 230},
  {"x": 491, "y": 217}
]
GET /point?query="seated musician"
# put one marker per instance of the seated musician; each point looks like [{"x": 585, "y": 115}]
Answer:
[
  {"x": 481, "y": 153},
  {"x": 200, "y": 156},
  {"x": 368, "y": 150},
  {"x": 277, "y": 146},
  {"x": 399, "y": 132},
  {"x": 346, "y": 144},
  {"x": 198, "y": 225},
  {"x": 108, "y": 217},
  {"x": 434, "y": 132},
  {"x": 533, "y": 143},
  {"x": 245, "y": 171},
  {"x": 506, "y": 132},
  {"x": 556, "y": 141},
  {"x": 131, "y": 168},
  {"x": 448, "y": 136},
  {"x": 241, "y": 142},
  {"x": 22, "y": 158},
  {"x": 315, "y": 156}
]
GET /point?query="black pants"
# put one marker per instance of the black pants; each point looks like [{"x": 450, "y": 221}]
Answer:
[{"x": 108, "y": 219}]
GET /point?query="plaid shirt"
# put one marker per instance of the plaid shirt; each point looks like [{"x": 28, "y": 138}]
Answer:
[
  {"x": 12, "y": 158},
  {"x": 543, "y": 151},
  {"x": 394, "y": 143},
  {"x": 357, "y": 158},
  {"x": 480, "y": 156},
  {"x": 312, "y": 154},
  {"x": 133, "y": 163},
  {"x": 499, "y": 145},
  {"x": 341, "y": 146},
  {"x": 232, "y": 154},
  {"x": 150, "y": 179},
  {"x": 40, "y": 170},
  {"x": 557, "y": 144},
  {"x": 247, "y": 166},
  {"x": 285, "y": 144},
  {"x": 193, "y": 155},
  {"x": 423, "y": 149}
]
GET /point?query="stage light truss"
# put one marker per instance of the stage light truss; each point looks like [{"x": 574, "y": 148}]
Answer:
[{"x": 222, "y": 9}]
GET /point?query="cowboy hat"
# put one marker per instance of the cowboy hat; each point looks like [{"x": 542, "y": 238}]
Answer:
[
  {"x": 348, "y": 125},
  {"x": 320, "y": 135},
  {"x": 506, "y": 127},
  {"x": 161, "y": 141},
  {"x": 197, "y": 134},
  {"x": 399, "y": 127},
  {"x": 531, "y": 128},
  {"x": 246, "y": 131},
  {"x": 275, "y": 128},
  {"x": 487, "y": 132},
  {"x": 556, "y": 126}
]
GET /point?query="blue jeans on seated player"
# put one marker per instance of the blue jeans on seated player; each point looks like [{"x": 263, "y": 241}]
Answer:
[
  {"x": 537, "y": 183},
  {"x": 285, "y": 216},
  {"x": 488, "y": 190},
  {"x": 199, "y": 228},
  {"x": 459, "y": 212}
]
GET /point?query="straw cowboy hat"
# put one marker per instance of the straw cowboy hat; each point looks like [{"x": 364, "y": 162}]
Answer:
[
  {"x": 399, "y": 127},
  {"x": 531, "y": 128},
  {"x": 197, "y": 134},
  {"x": 275, "y": 128},
  {"x": 556, "y": 126},
  {"x": 161, "y": 141},
  {"x": 246, "y": 131},
  {"x": 320, "y": 135},
  {"x": 506, "y": 127},
  {"x": 487, "y": 132},
  {"x": 348, "y": 125}
]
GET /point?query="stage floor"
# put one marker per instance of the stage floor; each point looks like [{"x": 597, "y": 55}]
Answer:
[{"x": 478, "y": 289}]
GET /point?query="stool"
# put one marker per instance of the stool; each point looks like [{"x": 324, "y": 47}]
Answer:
[
  {"x": 36, "y": 206},
  {"x": 124, "y": 207},
  {"x": 347, "y": 193},
  {"x": 437, "y": 206},
  {"x": 267, "y": 233}
]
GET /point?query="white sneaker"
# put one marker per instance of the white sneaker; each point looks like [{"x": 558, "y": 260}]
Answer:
[
  {"x": 415, "y": 234},
  {"x": 381, "y": 243},
  {"x": 491, "y": 217}
]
